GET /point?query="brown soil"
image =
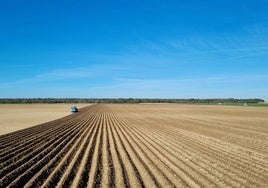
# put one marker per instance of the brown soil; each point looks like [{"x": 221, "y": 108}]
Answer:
[
  {"x": 141, "y": 145},
  {"x": 15, "y": 117}
]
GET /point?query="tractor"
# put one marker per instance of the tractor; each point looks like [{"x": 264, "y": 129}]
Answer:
[{"x": 74, "y": 109}]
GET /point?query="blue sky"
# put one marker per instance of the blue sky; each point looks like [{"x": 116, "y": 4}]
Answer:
[{"x": 148, "y": 49}]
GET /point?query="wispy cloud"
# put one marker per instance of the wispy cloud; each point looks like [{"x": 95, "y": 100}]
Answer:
[
  {"x": 54, "y": 75},
  {"x": 215, "y": 46},
  {"x": 80, "y": 72},
  {"x": 86, "y": 72},
  {"x": 250, "y": 40},
  {"x": 192, "y": 87},
  {"x": 151, "y": 83}
]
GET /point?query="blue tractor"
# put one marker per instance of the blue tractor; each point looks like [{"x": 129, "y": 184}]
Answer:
[{"x": 74, "y": 109}]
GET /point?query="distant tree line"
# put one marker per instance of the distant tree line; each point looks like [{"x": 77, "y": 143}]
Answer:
[{"x": 126, "y": 100}]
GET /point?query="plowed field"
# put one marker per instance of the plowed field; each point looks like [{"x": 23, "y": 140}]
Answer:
[{"x": 141, "y": 146}]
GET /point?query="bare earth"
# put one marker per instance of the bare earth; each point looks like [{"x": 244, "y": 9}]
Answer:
[
  {"x": 14, "y": 117},
  {"x": 141, "y": 145}
]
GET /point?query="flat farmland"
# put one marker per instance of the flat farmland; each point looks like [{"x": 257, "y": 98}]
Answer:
[
  {"x": 141, "y": 145},
  {"x": 14, "y": 117}
]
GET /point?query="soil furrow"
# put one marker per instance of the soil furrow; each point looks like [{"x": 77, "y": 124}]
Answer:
[{"x": 141, "y": 145}]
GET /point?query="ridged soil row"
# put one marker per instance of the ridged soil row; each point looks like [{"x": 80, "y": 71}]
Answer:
[
  {"x": 150, "y": 162},
  {"x": 81, "y": 176},
  {"x": 256, "y": 141},
  {"x": 146, "y": 175},
  {"x": 10, "y": 138},
  {"x": 22, "y": 164},
  {"x": 86, "y": 167},
  {"x": 18, "y": 160},
  {"x": 28, "y": 142},
  {"x": 55, "y": 176},
  {"x": 41, "y": 135},
  {"x": 231, "y": 131},
  {"x": 246, "y": 169},
  {"x": 22, "y": 144},
  {"x": 108, "y": 178},
  {"x": 36, "y": 145},
  {"x": 118, "y": 172},
  {"x": 190, "y": 146},
  {"x": 73, "y": 160},
  {"x": 180, "y": 172},
  {"x": 255, "y": 166},
  {"x": 32, "y": 132},
  {"x": 35, "y": 132},
  {"x": 22, "y": 170},
  {"x": 255, "y": 125},
  {"x": 57, "y": 162},
  {"x": 24, "y": 173},
  {"x": 150, "y": 131},
  {"x": 131, "y": 175},
  {"x": 213, "y": 175},
  {"x": 183, "y": 173},
  {"x": 227, "y": 147},
  {"x": 95, "y": 172},
  {"x": 218, "y": 129},
  {"x": 130, "y": 146}
]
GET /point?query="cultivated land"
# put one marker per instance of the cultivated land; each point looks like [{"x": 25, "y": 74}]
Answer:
[
  {"x": 14, "y": 117},
  {"x": 141, "y": 145}
]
